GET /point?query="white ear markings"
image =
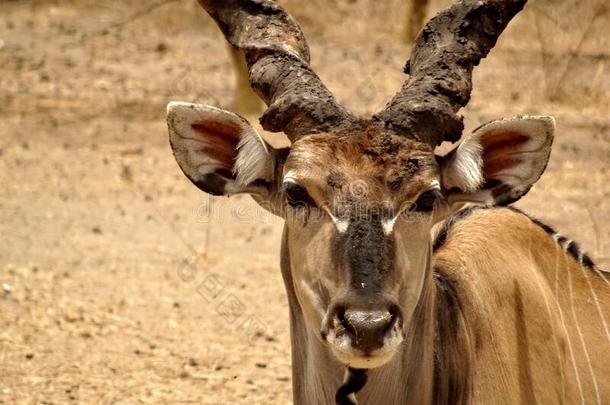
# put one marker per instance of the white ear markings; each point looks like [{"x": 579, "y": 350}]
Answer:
[
  {"x": 208, "y": 165},
  {"x": 252, "y": 160},
  {"x": 507, "y": 156},
  {"x": 218, "y": 150},
  {"x": 464, "y": 169},
  {"x": 201, "y": 138}
]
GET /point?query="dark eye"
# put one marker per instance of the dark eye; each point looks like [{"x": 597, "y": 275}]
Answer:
[
  {"x": 296, "y": 196},
  {"x": 425, "y": 201}
]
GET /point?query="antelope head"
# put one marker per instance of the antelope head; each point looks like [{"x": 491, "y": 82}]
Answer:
[{"x": 360, "y": 196}]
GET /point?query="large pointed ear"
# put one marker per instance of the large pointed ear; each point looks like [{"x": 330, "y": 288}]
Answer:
[
  {"x": 219, "y": 151},
  {"x": 499, "y": 162}
]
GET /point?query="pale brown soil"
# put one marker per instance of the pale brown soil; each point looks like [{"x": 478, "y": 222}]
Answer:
[{"x": 97, "y": 221}]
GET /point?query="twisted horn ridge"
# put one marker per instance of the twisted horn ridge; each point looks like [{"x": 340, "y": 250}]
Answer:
[
  {"x": 440, "y": 69},
  {"x": 278, "y": 59}
]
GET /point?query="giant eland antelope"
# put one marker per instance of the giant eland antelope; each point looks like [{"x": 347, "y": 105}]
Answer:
[{"x": 496, "y": 308}]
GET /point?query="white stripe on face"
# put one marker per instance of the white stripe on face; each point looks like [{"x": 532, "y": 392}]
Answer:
[
  {"x": 388, "y": 225},
  {"x": 290, "y": 177},
  {"x": 340, "y": 224}
]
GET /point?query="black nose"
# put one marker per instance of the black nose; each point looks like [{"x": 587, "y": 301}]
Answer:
[{"x": 367, "y": 328}]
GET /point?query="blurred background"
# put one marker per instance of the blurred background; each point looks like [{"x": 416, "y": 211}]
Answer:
[{"x": 120, "y": 282}]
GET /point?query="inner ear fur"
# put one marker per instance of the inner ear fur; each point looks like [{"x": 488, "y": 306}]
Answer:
[
  {"x": 219, "y": 151},
  {"x": 500, "y": 161}
]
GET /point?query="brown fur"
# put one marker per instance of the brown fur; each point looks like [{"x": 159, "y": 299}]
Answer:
[
  {"x": 485, "y": 319},
  {"x": 452, "y": 357},
  {"x": 495, "y": 311},
  {"x": 527, "y": 322},
  {"x": 388, "y": 166}
]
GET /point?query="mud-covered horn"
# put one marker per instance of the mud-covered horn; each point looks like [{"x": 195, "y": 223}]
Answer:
[
  {"x": 440, "y": 69},
  {"x": 278, "y": 60}
]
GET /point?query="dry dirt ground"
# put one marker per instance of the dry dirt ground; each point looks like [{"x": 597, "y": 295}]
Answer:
[{"x": 121, "y": 283}]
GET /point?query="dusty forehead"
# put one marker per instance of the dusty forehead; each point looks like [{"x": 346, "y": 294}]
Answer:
[{"x": 365, "y": 154}]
